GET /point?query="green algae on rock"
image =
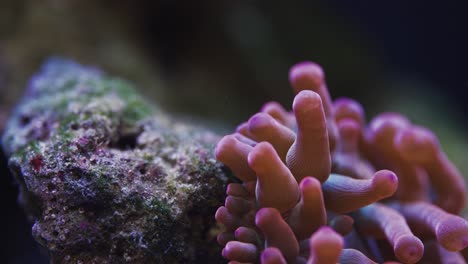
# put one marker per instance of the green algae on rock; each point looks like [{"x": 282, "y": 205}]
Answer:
[{"x": 108, "y": 178}]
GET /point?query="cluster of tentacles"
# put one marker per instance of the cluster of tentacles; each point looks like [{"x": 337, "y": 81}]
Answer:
[{"x": 320, "y": 185}]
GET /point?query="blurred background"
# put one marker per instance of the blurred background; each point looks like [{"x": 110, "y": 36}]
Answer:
[{"x": 219, "y": 60}]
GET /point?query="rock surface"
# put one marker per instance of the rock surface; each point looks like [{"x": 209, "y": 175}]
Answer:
[{"x": 108, "y": 178}]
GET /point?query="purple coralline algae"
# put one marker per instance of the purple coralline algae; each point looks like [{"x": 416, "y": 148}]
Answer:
[
  {"x": 320, "y": 185},
  {"x": 107, "y": 178}
]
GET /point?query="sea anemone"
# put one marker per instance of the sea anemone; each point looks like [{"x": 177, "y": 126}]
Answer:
[{"x": 320, "y": 185}]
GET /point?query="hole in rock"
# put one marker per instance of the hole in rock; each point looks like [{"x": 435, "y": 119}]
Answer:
[{"x": 125, "y": 142}]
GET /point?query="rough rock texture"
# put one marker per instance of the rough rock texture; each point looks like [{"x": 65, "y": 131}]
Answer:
[{"x": 107, "y": 178}]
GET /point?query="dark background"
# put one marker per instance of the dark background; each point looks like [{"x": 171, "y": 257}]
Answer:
[{"x": 219, "y": 61}]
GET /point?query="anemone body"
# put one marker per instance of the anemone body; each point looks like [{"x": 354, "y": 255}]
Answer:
[{"x": 320, "y": 185}]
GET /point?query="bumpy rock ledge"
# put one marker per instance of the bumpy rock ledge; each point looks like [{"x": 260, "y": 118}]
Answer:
[{"x": 108, "y": 178}]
